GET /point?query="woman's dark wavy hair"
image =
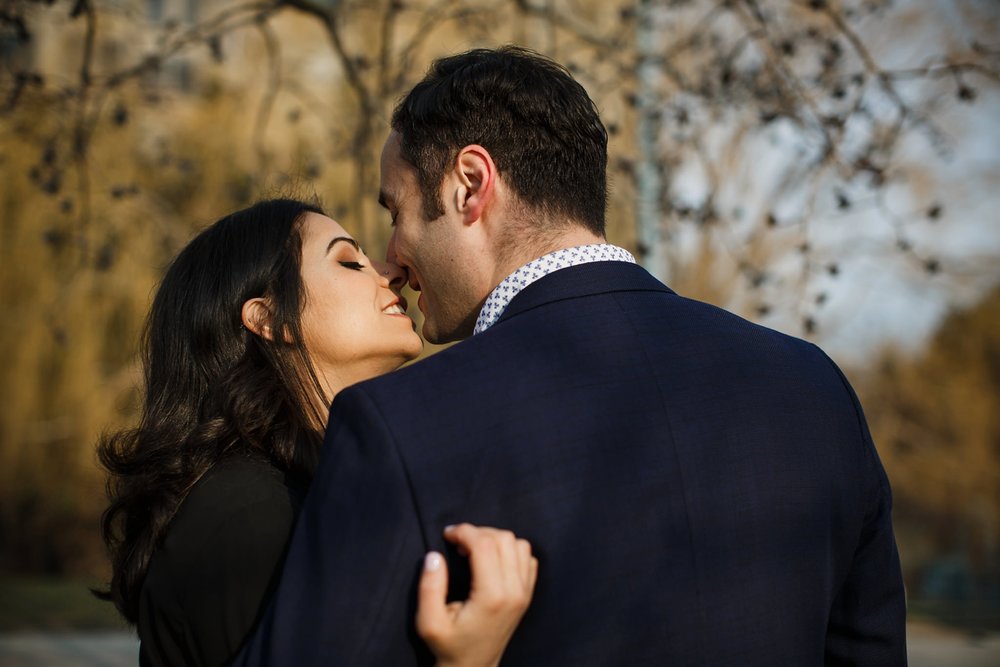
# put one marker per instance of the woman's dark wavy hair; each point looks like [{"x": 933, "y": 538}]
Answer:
[
  {"x": 539, "y": 125},
  {"x": 212, "y": 387}
]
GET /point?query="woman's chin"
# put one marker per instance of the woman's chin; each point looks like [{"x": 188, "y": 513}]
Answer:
[
  {"x": 414, "y": 348},
  {"x": 406, "y": 354}
]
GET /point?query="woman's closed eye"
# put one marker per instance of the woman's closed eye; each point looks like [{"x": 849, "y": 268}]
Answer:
[{"x": 357, "y": 266}]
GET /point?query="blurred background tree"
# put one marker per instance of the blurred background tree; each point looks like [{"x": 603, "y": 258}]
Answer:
[
  {"x": 935, "y": 418},
  {"x": 826, "y": 167}
]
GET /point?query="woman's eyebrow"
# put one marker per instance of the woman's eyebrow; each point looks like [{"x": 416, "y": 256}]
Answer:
[{"x": 346, "y": 239}]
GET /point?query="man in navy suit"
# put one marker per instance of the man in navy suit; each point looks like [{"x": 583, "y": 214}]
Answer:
[{"x": 699, "y": 490}]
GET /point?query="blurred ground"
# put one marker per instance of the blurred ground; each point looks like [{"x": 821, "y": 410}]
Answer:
[
  {"x": 930, "y": 645},
  {"x": 76, "y": 649}
]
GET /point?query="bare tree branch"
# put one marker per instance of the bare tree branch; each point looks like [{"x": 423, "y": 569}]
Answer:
[
  {"x": 224, "y": 22},
  {"x": 273, "y": 48},
  {"x": 328, "y": 17}
]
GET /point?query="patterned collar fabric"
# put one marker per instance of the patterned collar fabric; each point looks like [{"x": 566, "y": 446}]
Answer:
[{"x": 500, "y": 297}]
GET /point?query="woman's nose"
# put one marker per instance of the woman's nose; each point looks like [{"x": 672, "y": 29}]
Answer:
[{"x": 393, "y": 273}]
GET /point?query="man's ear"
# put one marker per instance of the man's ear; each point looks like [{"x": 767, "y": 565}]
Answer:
[
  {"x": 256, "y": 316},
  {"x": 477, "y": 180}
]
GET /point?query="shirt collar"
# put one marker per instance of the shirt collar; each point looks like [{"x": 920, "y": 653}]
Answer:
[{"x": 509, "y": 287}]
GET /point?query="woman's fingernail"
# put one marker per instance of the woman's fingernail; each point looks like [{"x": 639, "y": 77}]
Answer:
[
  {"x": 449, "y": 528},
  {"x": 432, "y": 561}
]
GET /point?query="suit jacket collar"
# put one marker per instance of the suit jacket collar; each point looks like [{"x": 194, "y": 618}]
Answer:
[{"x": 583, "y": 280}]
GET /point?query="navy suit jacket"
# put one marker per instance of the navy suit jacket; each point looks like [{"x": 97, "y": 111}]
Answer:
[{"x": 699, "y": 490}]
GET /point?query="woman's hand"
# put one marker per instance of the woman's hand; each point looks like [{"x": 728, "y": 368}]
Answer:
[{"x": 475, "y": 633}]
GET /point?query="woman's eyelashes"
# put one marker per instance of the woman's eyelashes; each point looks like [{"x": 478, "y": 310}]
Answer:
[{"x": 357, "y": 266}]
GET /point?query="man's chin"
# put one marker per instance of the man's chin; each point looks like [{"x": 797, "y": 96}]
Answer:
[
  {"x": 437, "y": 335},
  {"x": 433, "y": 336}
]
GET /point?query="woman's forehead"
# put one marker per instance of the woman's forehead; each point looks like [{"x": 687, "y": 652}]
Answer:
[{"x": 318, "y": 228}]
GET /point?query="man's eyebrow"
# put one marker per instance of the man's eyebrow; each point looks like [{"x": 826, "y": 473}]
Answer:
[{"x": 346, "y": 239}]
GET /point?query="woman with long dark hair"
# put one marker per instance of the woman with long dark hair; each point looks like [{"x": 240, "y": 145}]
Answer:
[{"x": 257, "y": 324}]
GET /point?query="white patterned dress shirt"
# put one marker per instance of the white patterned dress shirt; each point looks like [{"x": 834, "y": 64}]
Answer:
[{"x": 510, "y": 286}]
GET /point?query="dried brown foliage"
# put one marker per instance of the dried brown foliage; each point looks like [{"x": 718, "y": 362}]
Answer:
[{"x": 936, "y": 417}]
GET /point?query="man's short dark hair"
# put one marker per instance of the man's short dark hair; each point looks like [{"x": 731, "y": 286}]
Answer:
[{"x": 539, "y": 125}]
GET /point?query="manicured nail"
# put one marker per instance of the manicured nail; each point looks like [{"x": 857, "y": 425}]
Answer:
[
  {"x": 432, "y": 561},
  {"x": 449, "y": 528}
]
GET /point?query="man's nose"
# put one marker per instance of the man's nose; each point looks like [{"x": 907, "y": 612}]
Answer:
[{"x": 390, "y": 250}]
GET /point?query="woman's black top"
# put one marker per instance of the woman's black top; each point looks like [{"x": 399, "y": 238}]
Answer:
[{"x": 210, "y": 580}]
